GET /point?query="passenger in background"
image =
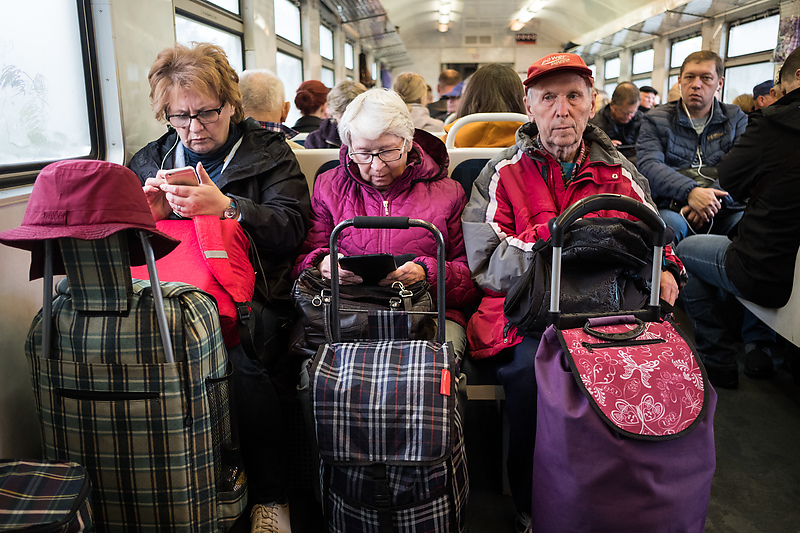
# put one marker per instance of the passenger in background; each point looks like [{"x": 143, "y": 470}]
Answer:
[
  {"x": 247, "y": 174},
  {"x": 601, "y": 98},
  {"x": 559, "y": 158},
  {"x": 263, "y": 99},
  {"x": 745, "y": 102},
  {"x": 762, "y": 93},
  {"x": 493, "y": 88},
  {"x": 414, "y": 91},
  {"x": 327, "y": 136},
  {"x": 448, "y": 79},
  {"x": 386, "y": 167},
  {"x": 453, "y": 99},
  {"x": 680, "y": 145},
  {"x": 674, "y": 93},
  {"x": 310, "y": 100},
  {"x": 621, "y": 119},
  {"x": 648, "y": 98},
  {"x": 758, "y": 262}
]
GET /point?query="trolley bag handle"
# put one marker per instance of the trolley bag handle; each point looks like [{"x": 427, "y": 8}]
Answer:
[
  {"x": 611, "y": 321},
  {"x": 158, "y": 297},
  {"x": 386, "y": 223},
  {"x": 606, "y": 202}
]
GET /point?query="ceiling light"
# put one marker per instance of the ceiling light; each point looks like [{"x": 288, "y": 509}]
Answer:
[
  {"x": 444, "y": 19},
  {"x": 445, "y": 9},
  {"x": 516, "y": 25},
  {"x": 524, "y": 16},
  {"x": 443, "y": 27}
]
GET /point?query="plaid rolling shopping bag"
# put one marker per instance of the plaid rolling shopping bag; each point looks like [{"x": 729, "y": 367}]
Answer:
[
  {"x": 387, "y": 423},
  {"x": 48, "y": 497}
]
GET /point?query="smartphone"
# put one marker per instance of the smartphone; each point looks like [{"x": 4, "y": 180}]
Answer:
[{"x": 182, "y": 176}]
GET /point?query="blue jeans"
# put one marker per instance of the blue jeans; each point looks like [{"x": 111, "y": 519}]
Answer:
[
  {"x": 704, "y": 298},
  {"x": 723, "y": 223},
  {"x": 515, "y": 371}
]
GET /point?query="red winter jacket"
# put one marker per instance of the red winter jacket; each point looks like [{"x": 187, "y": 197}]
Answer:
[
  {"x": 512, "y": 201},
  {"x": 423, "y": 191}
]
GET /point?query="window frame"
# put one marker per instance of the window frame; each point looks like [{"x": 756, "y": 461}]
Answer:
[
  {"x": 284, "y": 42},
  {"x": 15, "y": 175}
]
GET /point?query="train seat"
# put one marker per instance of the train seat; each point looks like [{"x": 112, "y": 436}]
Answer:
[
  {"x": 784, "y": 320},
  {"x": 300, "y": 138},
  {"x": 314, "y": 162},
  {"x": 481, "y": 117},
  {"x": 467, "y": 163}
]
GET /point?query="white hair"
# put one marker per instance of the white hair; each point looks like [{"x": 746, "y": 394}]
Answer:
[
  {"x": 374, "y": 113},
  {"x": 262, "y": 91}
]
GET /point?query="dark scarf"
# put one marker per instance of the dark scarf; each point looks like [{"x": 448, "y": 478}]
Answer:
[{"x": 214, "y": 161}]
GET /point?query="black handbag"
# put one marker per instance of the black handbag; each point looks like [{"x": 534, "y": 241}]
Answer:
[
  {"x": 606, "y": 267},
  {"x": 311, "y": 295}
]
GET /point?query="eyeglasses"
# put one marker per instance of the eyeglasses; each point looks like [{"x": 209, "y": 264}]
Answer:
[
  {"x": 208, "y": 116},
  {"x": 387, "y": 156}
]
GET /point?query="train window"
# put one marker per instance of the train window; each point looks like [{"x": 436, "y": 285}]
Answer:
[
  {"x": 229, "y": 5},
  {"x": 672, "y": 80},
  {"x": 375, "y": 71},
  {"x": 681, "y": 49},
  {"x": 609, "y": 88},
  {"x": 643, "y": 81},
  {"x": 188, "y": 30},
  {"x": 46, "y": 111},
  {"x": 643, "y": 61},
  {"x": 611, "y": 69},
  {"x": 327, "y": 78},
  {"x": 289, "y": 16},
  {"x": 752, "y": 37},
  {"x": 325, "y": 42},
  {"x": 741, "y": 79},
  {"x": 290, "y": 70},
  {"x": 593, "y": 68},
  {"x": 349, "y": 56}
]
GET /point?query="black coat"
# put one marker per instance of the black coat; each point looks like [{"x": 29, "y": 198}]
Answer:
[
  {"x": 760, "y": 260},
  {"x": 307, "y": 124},
  {"x": 265, "y": 179}
]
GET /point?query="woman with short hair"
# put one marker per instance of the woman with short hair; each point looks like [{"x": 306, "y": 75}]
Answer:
[
  {"x": 414, "y": 91},
  {"x": 327, "y": 135},
  {"x": 248, "y": 174},
  {"x": 387, "y": 168}
]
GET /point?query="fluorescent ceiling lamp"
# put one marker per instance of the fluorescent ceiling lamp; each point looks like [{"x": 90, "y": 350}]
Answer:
[
  {"x": 445, "y": 9},
  {"x": 443, "y": 28},
  {"x": 524, "y": 16},
  {"x": 517, "y": 25},
  {"x": 444, "y": 19}
]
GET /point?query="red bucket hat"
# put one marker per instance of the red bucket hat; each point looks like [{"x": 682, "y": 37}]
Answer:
[
  {"x": 555, "y": 62},
  {"x": 87, "y": 200}
]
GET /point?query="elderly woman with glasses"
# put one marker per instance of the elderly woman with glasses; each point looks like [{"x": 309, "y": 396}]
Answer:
[
  {"x": 387, "y": 168},
  {"x": 249, "y": 174}
]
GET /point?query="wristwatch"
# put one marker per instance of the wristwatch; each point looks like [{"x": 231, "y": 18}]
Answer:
[{"x": 232, "y": 211}]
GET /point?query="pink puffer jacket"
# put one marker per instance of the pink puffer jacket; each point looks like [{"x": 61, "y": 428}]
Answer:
[{"x": 423, "y": 191}]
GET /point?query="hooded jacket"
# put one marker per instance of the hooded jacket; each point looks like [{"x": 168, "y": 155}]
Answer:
[
  {"x": 326, "y": 136},
  {"x": 423, "y": 191},
  {"x": 422, "y": 120},
  {"x": 263, "y": 176},
  {"x": 512, "y": 201},
  {"x": 668, "y": 143},
  {"x": 761, "y": 257}
]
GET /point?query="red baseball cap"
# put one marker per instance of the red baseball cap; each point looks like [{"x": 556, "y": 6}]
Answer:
[{"x": 555, "y": 62}]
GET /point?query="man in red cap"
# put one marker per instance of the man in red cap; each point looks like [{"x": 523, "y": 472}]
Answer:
[{"x": 559, "y": 158}]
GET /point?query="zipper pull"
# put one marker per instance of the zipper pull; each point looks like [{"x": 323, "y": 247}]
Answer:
[{"x": 386, "y": 207}]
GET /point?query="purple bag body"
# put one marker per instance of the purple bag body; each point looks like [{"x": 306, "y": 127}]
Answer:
[{"x": 588, "y": 477}]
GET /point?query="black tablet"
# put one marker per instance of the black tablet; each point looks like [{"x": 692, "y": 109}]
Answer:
[{"x": 371, "y": 267}]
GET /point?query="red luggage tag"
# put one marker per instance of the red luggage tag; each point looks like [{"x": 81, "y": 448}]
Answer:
[{"x": 444, "y": 384}]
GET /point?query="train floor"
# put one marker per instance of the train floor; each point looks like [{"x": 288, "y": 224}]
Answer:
[{"x": 755, "y": 489}]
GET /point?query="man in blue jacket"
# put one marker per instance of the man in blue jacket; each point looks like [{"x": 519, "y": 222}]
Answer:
[{"x": 680, "y": 145}]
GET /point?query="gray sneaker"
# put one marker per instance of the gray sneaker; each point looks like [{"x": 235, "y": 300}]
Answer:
[{"x": 272, "y": 518}]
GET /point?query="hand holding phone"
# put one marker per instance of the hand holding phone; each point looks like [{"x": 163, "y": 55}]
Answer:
[{"x": 182, "y": 176}]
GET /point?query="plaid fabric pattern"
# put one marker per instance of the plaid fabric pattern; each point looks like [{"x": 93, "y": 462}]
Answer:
[
  {"x": 39, "y": 494},
  {"x": 385, "y": 324},
  {"x": 141, "y": 427},
  {"x": 104, "y": 281},
  {"x": 392, "y": 403}
]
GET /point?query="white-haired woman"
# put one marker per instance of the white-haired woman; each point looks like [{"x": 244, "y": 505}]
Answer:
[
  {"x": 387, "y": 168},
  {"x": 414, "y": 91}
]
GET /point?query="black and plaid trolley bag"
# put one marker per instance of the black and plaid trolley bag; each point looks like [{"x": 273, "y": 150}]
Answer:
[
  {"x": 44, "y": 496},
  {"x": 624, "y": 423},
  {"x": 386, "y": 419},
  {"x": 149, "y": 420}
]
